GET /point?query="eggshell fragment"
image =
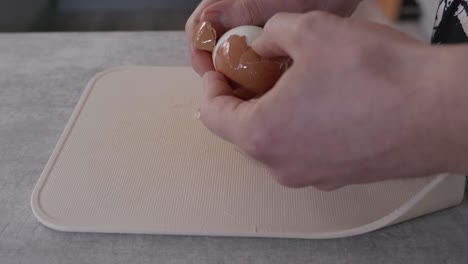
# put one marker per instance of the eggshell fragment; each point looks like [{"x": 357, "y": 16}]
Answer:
[
  {"x": 204, "y": 37},
  {"x": 232, "y": 56}
]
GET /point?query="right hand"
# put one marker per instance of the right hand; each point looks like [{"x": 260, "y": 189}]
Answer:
[
  {"x": 360, "y": 103},
  {"x": 227, "y": 14}
]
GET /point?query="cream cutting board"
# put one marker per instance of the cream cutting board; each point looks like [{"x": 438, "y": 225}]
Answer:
[{"x": 134, "y": 159}]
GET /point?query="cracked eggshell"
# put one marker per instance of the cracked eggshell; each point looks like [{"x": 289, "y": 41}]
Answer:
[
  {"x": 233, "y": 57},
  {"x": 249, "y": 32}
]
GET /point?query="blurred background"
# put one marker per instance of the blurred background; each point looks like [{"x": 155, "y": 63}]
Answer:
[
  {"x": 94, "y": 15},
  {"x": 416, "y": 17}
]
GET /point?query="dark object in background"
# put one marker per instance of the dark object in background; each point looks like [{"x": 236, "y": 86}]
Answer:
[
  {"x": 400, "y": 10},
  {"x": 94, "y": 15},
  {"x": 410, "y": 10},
  {"x": 22, "y": 15}
]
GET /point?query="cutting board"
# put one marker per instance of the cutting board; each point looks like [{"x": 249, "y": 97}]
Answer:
[{"x": 135, "y": 159}]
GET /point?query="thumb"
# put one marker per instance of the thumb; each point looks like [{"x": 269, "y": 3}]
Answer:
[
  {"x": 221, "y": 111},
  {"x": 277, "y": 39},
  {"x": 285, "y": 34}
]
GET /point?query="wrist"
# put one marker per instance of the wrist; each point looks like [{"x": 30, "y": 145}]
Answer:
[{"x": 450, "y": 109}]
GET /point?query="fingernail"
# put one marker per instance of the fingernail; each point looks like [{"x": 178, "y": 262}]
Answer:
[{"x": 211, "y": 17}]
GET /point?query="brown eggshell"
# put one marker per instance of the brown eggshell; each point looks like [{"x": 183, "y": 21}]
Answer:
[
  {"x": 204, "y": 37},
  {"x": 249, "y": 74},
  {"x": 240, "y": 64}
]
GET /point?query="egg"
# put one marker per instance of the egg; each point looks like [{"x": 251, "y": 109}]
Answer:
[
  {"x": 250, "y": 33},
  {"x": 233, "y": 56}
]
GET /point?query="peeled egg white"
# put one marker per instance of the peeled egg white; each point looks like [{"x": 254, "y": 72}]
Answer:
[{"x": 249, "y": 32}]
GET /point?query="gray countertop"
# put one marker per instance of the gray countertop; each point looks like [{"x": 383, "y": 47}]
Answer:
[{"x": 42, "y": 77}]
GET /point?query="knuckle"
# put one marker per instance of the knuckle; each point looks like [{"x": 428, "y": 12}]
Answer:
[
  {"x": 301, "y": 26},
  {"x": 251, "y": 10},
  {"x": 310, "y": 27},
  {"x": 295, "y": 181},
  {"x": 310, "y": 20},
  {"x": 326, "y": 187},
  {"x": 318, "y": 16},
  {"x": 288, "y": 180},
  {"x": 256, "y": 135},
  {"x": 257, "y": 143},
  {"x": 274, "y": 20},
  {"x": 329, "y": 181},
  {"x": 358, "y": 56},
  {"x": 276, "y": 16},
  {"x": 271, "y": 23}
]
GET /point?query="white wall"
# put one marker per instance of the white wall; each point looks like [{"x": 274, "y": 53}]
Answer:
[{"x": 429, "y": 8}]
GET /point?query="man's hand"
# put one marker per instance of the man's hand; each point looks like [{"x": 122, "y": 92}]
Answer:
[
  {"x": 359, "y": 104},
  {"x": 227, "y": 14}
]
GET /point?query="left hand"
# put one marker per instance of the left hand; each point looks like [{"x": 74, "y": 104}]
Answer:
[{"x": 227, "y": 14}]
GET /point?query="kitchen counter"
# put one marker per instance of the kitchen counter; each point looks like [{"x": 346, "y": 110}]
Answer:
[{"x": 42, "y": 76}]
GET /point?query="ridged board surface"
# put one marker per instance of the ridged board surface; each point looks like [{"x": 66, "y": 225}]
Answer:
[{"x": 135, "y": 159}]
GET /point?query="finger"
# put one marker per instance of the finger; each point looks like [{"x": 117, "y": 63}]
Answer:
[
  {"x": 194, "y": 19},
  {"x": 277, "y": 39},
  {"x": 244, "y": 94},
  {"x": 223, "y": 113},
  {"x": 241, "y": 92},
  {"x": 201, "y": 61},
  {"x": 227, "y": 14},
  {"x": 223, "y": 15}
]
